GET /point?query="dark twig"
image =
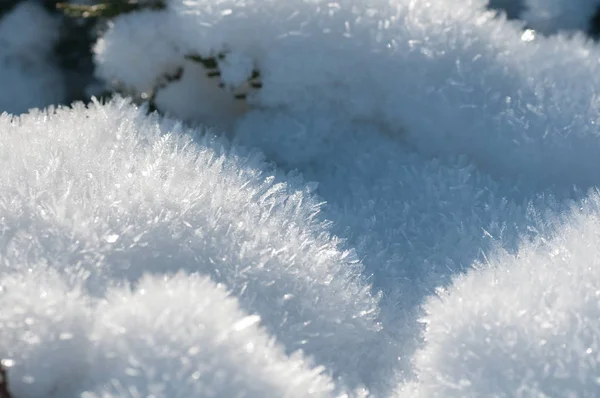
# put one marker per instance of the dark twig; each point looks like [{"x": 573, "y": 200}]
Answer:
[{"x": 4, "y": 393}]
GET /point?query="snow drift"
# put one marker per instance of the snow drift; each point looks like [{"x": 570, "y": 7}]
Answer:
[
  {"x": 101, "y": 196},
  {"x": 521, "y": 325},
  {"x": 382, "y": 150},
  {"x": 447, "y": 78}
]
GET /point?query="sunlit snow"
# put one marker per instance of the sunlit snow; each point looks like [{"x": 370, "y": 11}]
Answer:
[{"x": 405, "y": 206}]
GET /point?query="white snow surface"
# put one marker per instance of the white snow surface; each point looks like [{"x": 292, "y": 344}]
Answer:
[
  {"x": 123, "y": 195},
  {"x": 29, "y": 77},
  {"x": 419, "y": 71},
  {"x": 407, "y": 207},
  {"x": 521, "y": 325}
]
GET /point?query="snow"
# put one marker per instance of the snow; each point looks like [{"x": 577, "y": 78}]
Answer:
[
  {"x": 182, "y": 97},
  {"x": 419, "y": 71},
  {"x": 523, "y": 324},
  {"x": 209, "y": 348},
  {"x": 414, "y": 221},
  {"x": 44, "y": 329},
  {"x": 405, "y": 206},
  {"x": 123, "y": 195},
  {"x": 29, "y": 77}
]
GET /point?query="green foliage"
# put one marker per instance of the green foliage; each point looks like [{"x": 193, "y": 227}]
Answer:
[{"x": 109, "y": 8}]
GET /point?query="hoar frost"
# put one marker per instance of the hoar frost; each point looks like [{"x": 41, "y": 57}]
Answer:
[
  {"x": 521, "y": 325},
  {"x": 419, "y": 72},
  {"x": 440, "y": 134},
  {"x": 112, "y": 194}
]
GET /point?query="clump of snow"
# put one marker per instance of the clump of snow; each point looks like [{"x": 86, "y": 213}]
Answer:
[
  {"x": 108, "y": 194},
  {"x": 521, "y": 325},
  {"x": 551, "y": 16},
  {"x": 421, "y": 71},
  {"x": 187, "y": 331},
  {"x": 44, "y": 329},
  {"x": 149, "y": 53},
  {"x": 29, "y": 77}
]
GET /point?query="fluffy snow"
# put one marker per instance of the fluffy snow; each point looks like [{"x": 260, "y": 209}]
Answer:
[
  {"x": 420, "y": 71},
  {"x": 123, "y": 195},
  {"x": 190, "y": 332},
  {"x": 45, "y": 325},
  {"x": 521, "y": 325},
  {"x": 29, "y": 77},
  {"x": 399, "y": 207}
]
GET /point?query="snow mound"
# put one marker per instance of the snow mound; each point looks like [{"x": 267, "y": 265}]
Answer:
[
  {"x": 187, "y": 331},
  {"x": 439, "y": 134},
  {"x": 521, "y": 325},
  {"x": 108, "y": 194},
  {"x": 446, "y": 78},
  {"x": 432, "y": 130},
  {"x": 44, "y": 331}
]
